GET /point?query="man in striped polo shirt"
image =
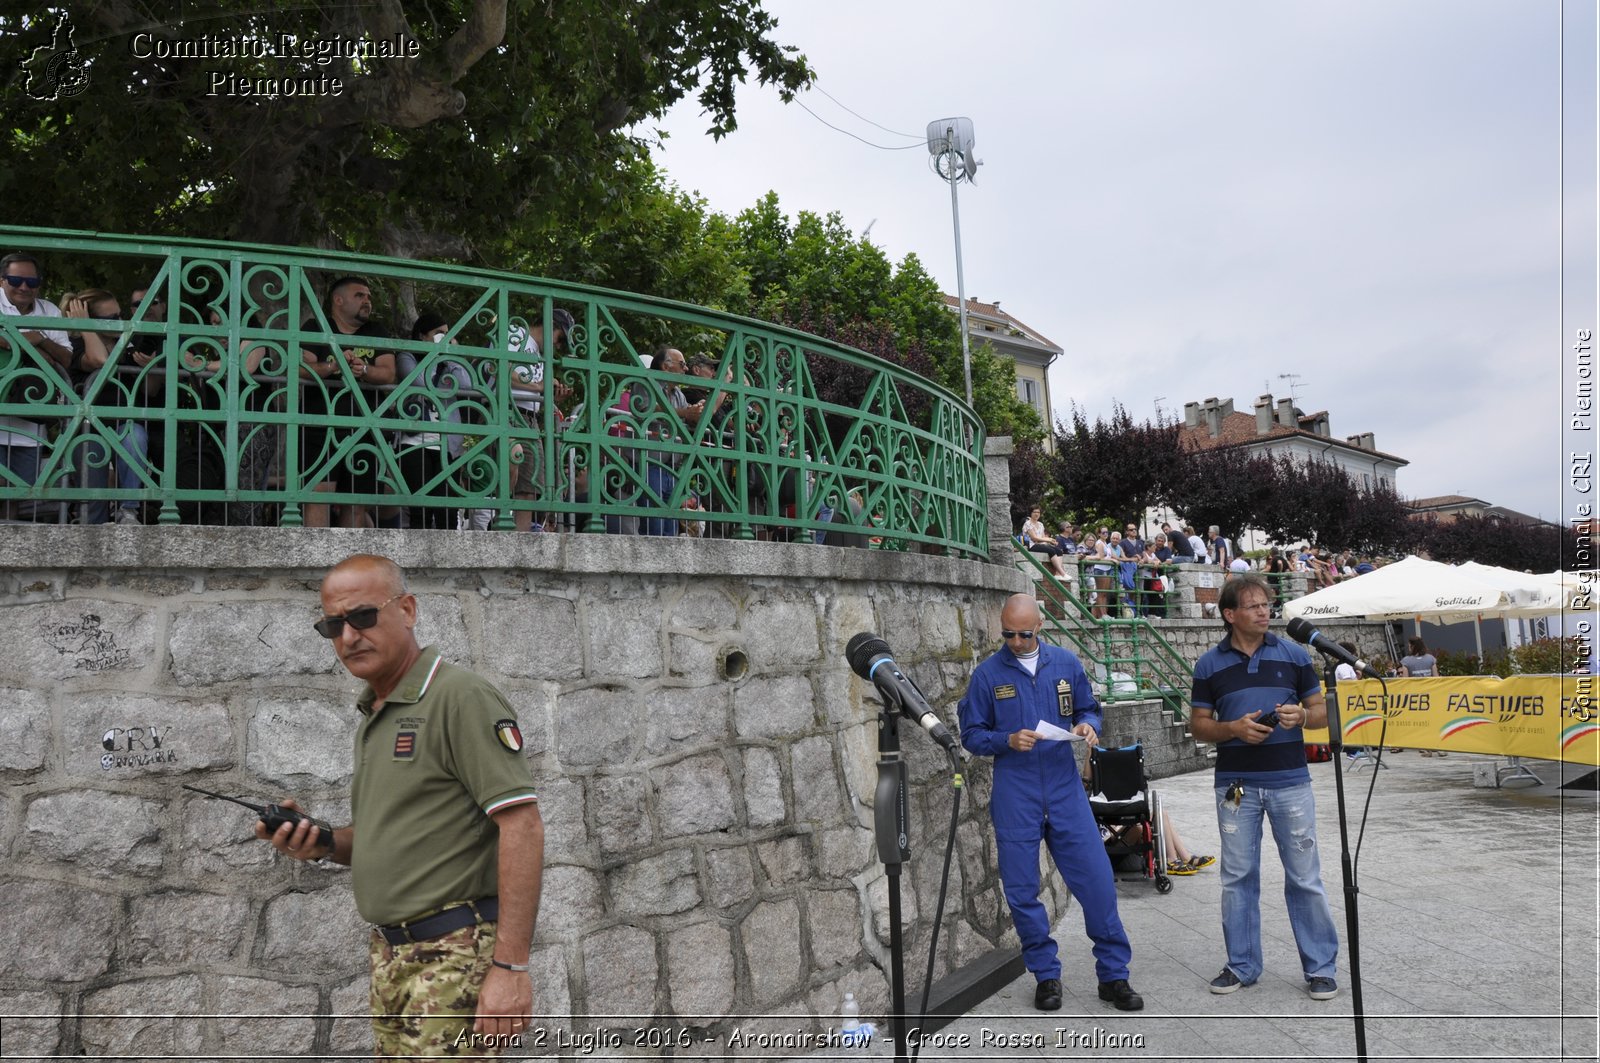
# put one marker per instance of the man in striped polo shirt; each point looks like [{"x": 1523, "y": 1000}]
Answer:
[
  {"x": 1262, "y": 774},
  {"x": 452, "y": 845}
]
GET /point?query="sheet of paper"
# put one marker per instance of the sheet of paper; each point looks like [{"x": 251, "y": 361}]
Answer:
[{"x": 1051, "y": 733}]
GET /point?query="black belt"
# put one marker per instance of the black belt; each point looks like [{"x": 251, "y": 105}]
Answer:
[{"x": 439, "y": 924}]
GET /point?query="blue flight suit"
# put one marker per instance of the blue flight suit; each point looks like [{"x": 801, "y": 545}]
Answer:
[{"x": 1038, "y": 795}]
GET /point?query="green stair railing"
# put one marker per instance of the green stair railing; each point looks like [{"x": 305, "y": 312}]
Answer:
[
  {"x": 809, "y": 439},
  {"x": 1127, "y": 657}
]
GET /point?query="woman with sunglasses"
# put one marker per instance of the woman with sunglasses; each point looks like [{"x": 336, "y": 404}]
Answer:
[{"x": 105, "y": 369}]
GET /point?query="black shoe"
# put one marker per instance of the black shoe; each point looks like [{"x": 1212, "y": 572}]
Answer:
[
  {"x": 1122, "y": 995},
  {"x": 1048, "y": 996}
]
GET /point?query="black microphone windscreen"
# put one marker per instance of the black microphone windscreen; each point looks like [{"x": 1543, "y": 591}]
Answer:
[
  {"x": 1300, "y": 629},
  {"x": 862, "y": 649}
]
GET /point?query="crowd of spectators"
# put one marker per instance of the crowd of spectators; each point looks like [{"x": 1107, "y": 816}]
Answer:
[
  {"x": 346, "y": 378},
  {"x": 1120, "y": 573}
]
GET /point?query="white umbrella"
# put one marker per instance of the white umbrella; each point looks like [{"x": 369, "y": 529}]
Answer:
[
  {"x": 1438, "y": 593},
  {"x": 1527, "y": 594},
  {"x": 1567, "y": 587}
]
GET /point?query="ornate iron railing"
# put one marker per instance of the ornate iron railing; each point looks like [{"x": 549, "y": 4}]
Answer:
[
  {"x": 1128, "y": 658},
  {"x": 802, "y": 438}
]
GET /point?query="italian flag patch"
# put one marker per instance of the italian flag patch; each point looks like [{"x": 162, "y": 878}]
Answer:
[{"x": 509, "y": 735}]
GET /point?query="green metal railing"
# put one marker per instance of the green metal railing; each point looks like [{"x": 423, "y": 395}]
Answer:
[
  {"x": 1131, "y": 646},
  {"x": 803, "y": 429}
]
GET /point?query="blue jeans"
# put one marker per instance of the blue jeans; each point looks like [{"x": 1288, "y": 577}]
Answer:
[
  {"x": 662, "y": 483},
  {"x": 94, "y": 460},
  {"x": 22, "y": 462},
  {"x": 1292, "y": 813}
]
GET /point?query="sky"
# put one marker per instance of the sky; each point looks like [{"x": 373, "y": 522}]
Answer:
[{"x": 1385, "y": 208}]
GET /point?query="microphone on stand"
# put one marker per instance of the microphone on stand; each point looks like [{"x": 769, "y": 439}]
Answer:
[
  {"x": 870, "y": 658},
  {"x": 1301, "y": 631}
]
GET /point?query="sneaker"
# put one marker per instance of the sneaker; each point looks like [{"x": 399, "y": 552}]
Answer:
[
  {"x": 1318, "y": 988},
  {"x": 1226, "y": 982},
  {"x": 123, "y": 515}
]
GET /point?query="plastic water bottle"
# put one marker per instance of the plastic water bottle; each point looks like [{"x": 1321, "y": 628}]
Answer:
[{"x": 849, "y": 1016}]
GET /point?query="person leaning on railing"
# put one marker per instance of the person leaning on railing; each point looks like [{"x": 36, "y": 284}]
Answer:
[
  {"x": 20, "y": 439},
  {"x": 661, "y": 467},
  {"x": 1277, "y": 569},
  {"x": 97, "y": 354},
  {"x": 257, "y": 440},
  {"x": 1101, "y": 571},
  {"x": 527, "y": 396},
  {"x": 1154, "y": 586},
  {"x": 422, "y": 451},
  {"x": 349, "y": 312}
]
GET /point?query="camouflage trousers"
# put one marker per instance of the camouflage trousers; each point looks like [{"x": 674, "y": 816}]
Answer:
[{"x": 425, "y": 994}]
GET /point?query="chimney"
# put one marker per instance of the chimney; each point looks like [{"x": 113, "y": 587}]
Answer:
[
  {"x": 1286, "y": 415},
  {"x": 1213, "y": 414},
  {"x": 1191, "y": 415},
  {"x": 1263, "y": 415}
]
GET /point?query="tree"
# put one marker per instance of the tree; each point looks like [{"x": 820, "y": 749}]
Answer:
[
  {"x": 1491, "y": 540},
  {"x": 817, "y": 275},
  {"x": 1318, "y": 502},
  {"x": 1225, "y": 486},
  {"x": 1033, "y": 480},
  {"x": 511, "y": 118},
  {"x": 1115, "y": 466}
]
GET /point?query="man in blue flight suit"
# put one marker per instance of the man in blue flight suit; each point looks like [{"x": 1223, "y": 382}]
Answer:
[{"x": 1038, "y": 796}]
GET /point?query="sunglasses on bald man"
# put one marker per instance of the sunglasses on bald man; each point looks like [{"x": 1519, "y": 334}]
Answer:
[{"x": 331, "y": 627}]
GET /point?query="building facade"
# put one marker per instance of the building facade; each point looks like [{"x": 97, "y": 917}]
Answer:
[{"x": 1032, "y": 352}]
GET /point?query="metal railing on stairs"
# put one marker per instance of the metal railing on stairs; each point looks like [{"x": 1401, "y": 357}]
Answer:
[{"x": 1128, "y": 658}]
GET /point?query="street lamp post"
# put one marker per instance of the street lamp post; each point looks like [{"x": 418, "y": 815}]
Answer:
[{"x": 950, "y": 143}]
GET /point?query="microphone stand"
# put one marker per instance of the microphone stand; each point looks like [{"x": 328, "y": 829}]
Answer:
[
  {"x": 890, "y": 820},
  {"x": 1352, "y": 919}
]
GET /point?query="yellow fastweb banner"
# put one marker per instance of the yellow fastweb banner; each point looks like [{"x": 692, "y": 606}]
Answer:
[{"x": 1546, "y": 717}]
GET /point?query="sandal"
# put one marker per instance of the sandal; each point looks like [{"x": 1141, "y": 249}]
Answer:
[
  {"x": 1199, "y": 862},
  {"x": 1177, "y": 867}
]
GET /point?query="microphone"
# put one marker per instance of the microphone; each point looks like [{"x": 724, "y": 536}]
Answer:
[
  {"x": 869, "y": 658},
  {"x": 1301, "y": 631}
]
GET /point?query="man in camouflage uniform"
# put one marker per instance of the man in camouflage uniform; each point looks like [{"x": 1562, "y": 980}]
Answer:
[{"x": 452, "y": 844}]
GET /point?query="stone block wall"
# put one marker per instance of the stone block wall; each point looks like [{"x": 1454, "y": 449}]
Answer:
[{"x": 705, "y": 758}]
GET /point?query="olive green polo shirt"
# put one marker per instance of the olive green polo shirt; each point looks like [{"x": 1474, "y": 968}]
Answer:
[{"x": 432, "y": 766}]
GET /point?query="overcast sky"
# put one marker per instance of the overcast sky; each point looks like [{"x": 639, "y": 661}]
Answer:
[{"x": 1359, "y": 202}]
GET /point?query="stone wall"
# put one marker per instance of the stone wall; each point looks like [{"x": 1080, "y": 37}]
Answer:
[{"x": 705, "y": 760}]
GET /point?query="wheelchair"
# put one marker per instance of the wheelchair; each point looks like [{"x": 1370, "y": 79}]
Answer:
[{"x": 1128, "y": 812}]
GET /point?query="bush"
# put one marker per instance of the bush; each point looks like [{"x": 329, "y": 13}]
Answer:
[
  {"x": 1464, "y": 663},
  {"x": 1548, "y": 656}
]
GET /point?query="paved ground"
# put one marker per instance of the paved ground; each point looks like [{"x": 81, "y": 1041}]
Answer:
[{"x": 1477, "y": 936}]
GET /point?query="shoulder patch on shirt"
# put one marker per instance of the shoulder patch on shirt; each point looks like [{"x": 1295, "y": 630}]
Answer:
[
  {"x": 509, "y": 735},
  {"x": 1005, "y": 690},
  {"x": 405, "y": 745},
  {"x": 1064, "y": 697}
]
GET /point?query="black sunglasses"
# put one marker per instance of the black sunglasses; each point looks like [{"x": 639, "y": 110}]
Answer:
[
  {"x": 1016, "y": 634},
  {"x": 331, "y": 627},
  {"x": 23, "y": 282}
]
